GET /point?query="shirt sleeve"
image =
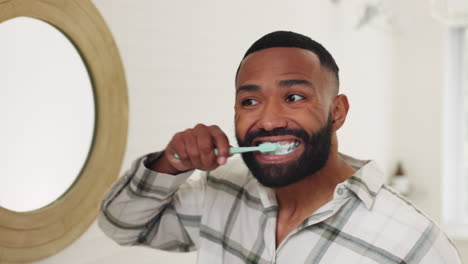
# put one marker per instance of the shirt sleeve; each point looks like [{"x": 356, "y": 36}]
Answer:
[
  {"x": 433, "y": 247},
  {"x": 154, "y": 209}
]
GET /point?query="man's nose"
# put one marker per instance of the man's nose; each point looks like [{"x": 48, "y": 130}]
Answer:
[{"x": 272, "y": 117}]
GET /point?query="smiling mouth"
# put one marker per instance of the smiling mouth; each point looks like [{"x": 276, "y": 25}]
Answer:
[{"x": 284, "y": 147}]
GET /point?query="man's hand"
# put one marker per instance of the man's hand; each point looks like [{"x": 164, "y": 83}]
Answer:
[{"x": 195, "y": 148}]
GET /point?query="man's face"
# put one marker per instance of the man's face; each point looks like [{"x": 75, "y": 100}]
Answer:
[{"x": 283, "y": 95}]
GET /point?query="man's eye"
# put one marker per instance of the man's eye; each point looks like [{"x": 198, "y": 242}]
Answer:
[
  {"x": 294, "y": 98},
  {"x": 249, "y": 101}
]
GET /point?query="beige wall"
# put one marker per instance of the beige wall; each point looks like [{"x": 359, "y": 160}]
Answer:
[{"x": 180, "y": 60}]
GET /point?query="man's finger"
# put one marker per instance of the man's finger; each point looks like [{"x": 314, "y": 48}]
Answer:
[
  {"x": 177, "y": 146},
  {"x": 191, "y": 146},
  {"x": 221, "y": 142},
  {"x": 206, "y": 147}
]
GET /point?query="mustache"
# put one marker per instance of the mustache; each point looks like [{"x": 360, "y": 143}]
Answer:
[{"x": 251, "y": 136}]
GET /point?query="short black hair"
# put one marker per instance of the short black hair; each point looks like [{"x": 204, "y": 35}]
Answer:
[{"x": 294, "y": 40}]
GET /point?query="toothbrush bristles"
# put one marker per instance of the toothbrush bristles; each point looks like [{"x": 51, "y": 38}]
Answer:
[{"x": 278, "y": 149}]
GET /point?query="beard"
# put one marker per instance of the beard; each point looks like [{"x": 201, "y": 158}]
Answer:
[{"x": 314, "y": 157}]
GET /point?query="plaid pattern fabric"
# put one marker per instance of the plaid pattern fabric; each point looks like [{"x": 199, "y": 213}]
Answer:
[{"x": 229, "y": 217}]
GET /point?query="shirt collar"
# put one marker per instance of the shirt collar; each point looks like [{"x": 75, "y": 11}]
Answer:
[{"x": 366, "y": 181}]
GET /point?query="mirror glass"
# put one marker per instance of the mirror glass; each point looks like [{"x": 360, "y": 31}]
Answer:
[{"x": 47, "y": 114}]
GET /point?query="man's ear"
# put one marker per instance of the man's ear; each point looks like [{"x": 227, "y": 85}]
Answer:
[{"x": 340, "y": 111}]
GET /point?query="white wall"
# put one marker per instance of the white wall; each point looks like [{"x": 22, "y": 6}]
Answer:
[
  {"x": 180, "y": 60},
  {"x": 419, "y": 81}
]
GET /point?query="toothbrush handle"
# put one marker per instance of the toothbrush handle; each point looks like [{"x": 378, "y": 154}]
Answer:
[
  {"x": 232, "y": 150},
  {"x": 215, "y": 152},
  {"x": 237, "y": 150}
]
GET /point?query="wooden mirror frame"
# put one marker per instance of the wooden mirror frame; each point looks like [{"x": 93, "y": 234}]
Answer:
[{"x": 33, "y": 235}]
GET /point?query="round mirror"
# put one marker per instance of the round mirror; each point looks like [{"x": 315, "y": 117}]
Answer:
[
  {"x": 55, "y": 123},
  {"x": 47, "y": 112}
]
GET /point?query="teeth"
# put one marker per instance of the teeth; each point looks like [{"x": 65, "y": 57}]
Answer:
[{"x": 284, "y": 148}]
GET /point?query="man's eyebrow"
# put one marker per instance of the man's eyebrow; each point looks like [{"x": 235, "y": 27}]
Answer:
[
  {"x": 283, "y": 83},
  {"x": 248, "y": 88},
  {"x": 288, "y": 83}
]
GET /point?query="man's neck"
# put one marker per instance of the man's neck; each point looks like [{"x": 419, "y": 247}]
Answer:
[{"x": 298, "y": 201}]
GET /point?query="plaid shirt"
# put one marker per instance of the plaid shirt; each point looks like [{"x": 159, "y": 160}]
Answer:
[{"x": 229, "y": 217}]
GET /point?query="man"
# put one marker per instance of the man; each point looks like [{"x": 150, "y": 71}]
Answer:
[{"x": 308, "y": 205}]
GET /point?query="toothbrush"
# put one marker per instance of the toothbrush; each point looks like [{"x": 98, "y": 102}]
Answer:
[{"x": 264, "y": 148}]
